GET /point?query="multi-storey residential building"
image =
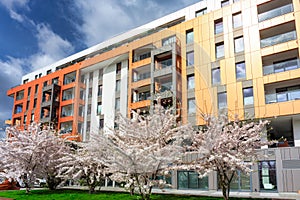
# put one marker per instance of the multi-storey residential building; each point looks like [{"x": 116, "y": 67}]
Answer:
[{"x": 234, "y": 56}]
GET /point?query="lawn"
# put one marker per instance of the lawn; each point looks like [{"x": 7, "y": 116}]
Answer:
[{"x": 82, "y": 195}]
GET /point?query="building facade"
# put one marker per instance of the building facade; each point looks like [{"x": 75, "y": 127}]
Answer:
[{"x": 235, "y": 56}]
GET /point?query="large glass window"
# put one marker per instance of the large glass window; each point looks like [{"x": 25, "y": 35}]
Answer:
[
  {"x": 219, "y": 26},
  {"x": 224, "y": 3},
  {"x": 190, "y": 179},
  {"x": 190, "y": 58},
  {"x": 189, "y": 36},
  {"x": 201, "y": 12},
  {"x": 237, "y": 20},
  {"x": 240, "y": 70},
  {"x": 220, "y": 50},
  {"x": 267, "y": 175},
  {"x": 191, "y": 106},
  {"x": 248, "y": 96},
  {"x": 190, "y": 81},
  {"x": 216, "y": 76},
  {"x": 222, "y": 100},
  {"x": 118, "y": 85},
  {"x": 238, "y": 44}
]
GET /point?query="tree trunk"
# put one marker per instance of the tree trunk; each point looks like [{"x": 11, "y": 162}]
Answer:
[{"x": 91, "y": 189}]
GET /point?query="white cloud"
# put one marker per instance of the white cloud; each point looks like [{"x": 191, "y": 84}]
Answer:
[
  {"x": 13, "y": 5},
  {"x": 51, "y": 48},
  {"x": 101, "y": 19}
]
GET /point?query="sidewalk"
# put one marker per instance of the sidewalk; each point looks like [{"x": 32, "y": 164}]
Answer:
[{"x": 269, "y": 195}]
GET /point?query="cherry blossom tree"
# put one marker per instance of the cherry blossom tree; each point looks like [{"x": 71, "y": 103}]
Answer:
[
  {"x": 81, "y": 164},
  {"x": 30, "y": 154},
  {"x": 142, "y": 148},
  {"x": 225, "y": 147}
]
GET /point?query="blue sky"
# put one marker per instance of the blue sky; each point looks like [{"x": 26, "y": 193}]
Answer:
[{"x": 36, "y": 33}]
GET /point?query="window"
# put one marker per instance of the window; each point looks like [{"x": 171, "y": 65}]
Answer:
[
  {"x": 248, "y": 96},
  {"x": 55, "y": 81},
  {"x": 201, "y": 12},
  {"x": 90, "y": 92},
  {"x": 234, "y": 1},
  {"x": 240, "y": 70},
  {"x": 36, "y": 76},
  {"x": 32, "y": 117},
  {"x": 118, "y": 85},
  {"x": 237, "y": 20},
  {"x": 117, "y": 104},
  {"x": 222, "y": 100},
  {"x": 34, "y": 103},
  {"x": 190, "y": 179},
  {"x": 224, "y": 3},
  {"x": 25, "y": 81},
  {"x": 267, "y": 175},
  {"x": 29, "y": 91},
  {"x": 99, "y": 108},
  {"x": 100, "y": 87},
  {"x": 89, "y": 109},
  {"x": 40, "y": 75},
  {"x": 27, "y": 105},
  {"x": 238, "y": 44},
  {"x": 219, "y": 26},
  {"x": 216, "y": 76},
  {"x": 100, "y": 73},
  {"x": 190, "y": 81},
  {"x": 49, "y": 71},
  {"x": 91, "y": 76},
  {"x": 36, "y": 88},
  {"x": 189, "y": 36},
  {"x": 168, "y": 40},
  {"x": 25, "y": 119},
  {"x": 118, "y": 69},
  {"x": 220, "y": 50},
  {"x": 101, "y": 123},
  {"x": 191, "y": 106},
  {"x": 190, "y": 58}
]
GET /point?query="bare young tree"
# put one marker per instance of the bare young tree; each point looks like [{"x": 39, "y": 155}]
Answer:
[
  {"x": 225, "y": 147},
  {"x": 30, "y": 154},
  {"x": 142, "y": 148}
]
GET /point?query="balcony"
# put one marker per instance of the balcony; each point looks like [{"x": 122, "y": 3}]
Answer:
[
  {"x": 142, "y": 53},
  {"x": 275, "y": 12},
  {"x": 281, "y": 66},
  {"x": 141, "y": 73},
  {"x": 282, "y": 91},
  {"x": 142, "y": 96},
  {"x": 277, "y": 39}
]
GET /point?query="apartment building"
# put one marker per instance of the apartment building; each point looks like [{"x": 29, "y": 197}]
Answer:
[{"x": 234, "y": 56}]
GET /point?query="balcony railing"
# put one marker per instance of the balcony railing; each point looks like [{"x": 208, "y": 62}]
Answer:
[
  {"x": 143, "y": 97},
  {"x": 142, "y": 76},
  {"x": 275, "y": 12},
  {"x": 277, "y": 39},
  {"x": 283, "y": 96},
  {"x": 281, "y": 66}
]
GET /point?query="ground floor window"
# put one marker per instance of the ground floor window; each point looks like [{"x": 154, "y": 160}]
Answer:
[
  {"x": 191, "y": 180},
  {"x": 241, "y": 182},
  {"x": 267, "y": 175}
]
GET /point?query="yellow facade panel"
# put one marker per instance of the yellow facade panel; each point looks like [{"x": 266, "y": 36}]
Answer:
[
  {"x": 281, "y": 47},
  {"x": 296, "y": 106},
  {"x": 256, "y": 64},
  {"x": 283, "y": 76},
  {"x": 272, "y": 110},
  {"x": 286, "y": 108},
  {"x": 252, "y": 39},
  {"x": 229, "y": 69},
  {"x": 267, "y": 51}
]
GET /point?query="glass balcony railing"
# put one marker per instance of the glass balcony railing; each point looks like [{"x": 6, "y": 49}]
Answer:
[
  {"x": 281, "y": 66},
  {"x": 275, "y": 12},
  {"x": 143, "y": 97},
  {"x": 283, "y": 96},
  {"x": 277, "y": 39},
  {"x": 142, "y": 76}
]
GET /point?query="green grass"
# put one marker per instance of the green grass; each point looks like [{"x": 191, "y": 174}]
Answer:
[{"x": 82, "y": 195}]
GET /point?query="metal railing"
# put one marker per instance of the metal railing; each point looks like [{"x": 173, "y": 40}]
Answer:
[
  {"x": 275, "y": 12},
  {"x": 277, "y": 39},
  {"x": 281, "y": 66},
  {"x": 283, "y": 96}
]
